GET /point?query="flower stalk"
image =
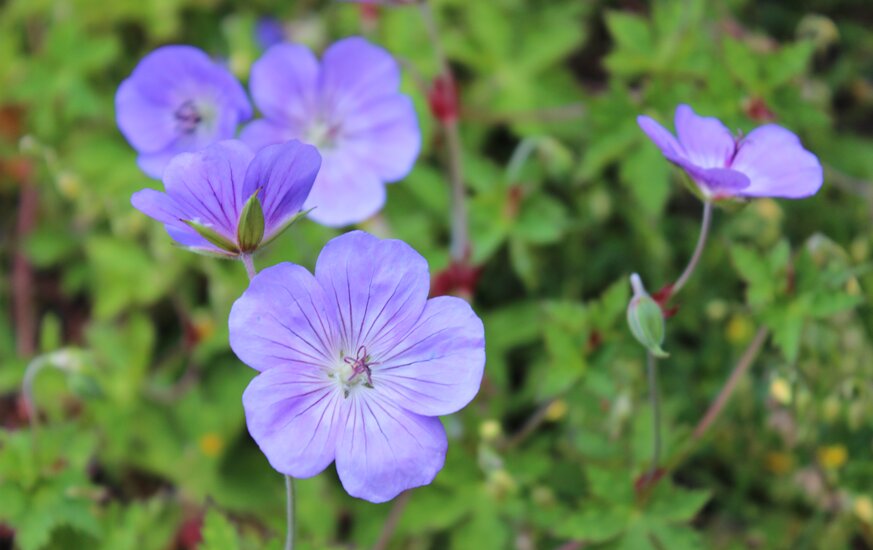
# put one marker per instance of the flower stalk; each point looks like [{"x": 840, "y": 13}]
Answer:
[{"x": 698, "y": 249}]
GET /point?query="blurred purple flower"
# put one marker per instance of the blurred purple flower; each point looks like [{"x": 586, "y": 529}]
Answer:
[
  {"x": 210, "y": 188},
  {"x": 355, "y": 365},
  {"x": 769, "y": 162},
  {"x": 351, "y": 109},
  {"x": 176, "y": 100},
  {"x": 269, "y": 31}
]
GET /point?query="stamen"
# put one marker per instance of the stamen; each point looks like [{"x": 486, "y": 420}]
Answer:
[{"x": 188, "y": 118}]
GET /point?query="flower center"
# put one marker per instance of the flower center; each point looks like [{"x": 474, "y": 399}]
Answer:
[
  {"x": 188, "y": 117},
  {"x": 354, "y": 371},
  {"x": 321, "y": 134}
]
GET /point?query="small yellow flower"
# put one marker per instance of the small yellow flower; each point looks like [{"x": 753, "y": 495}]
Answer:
[
  {"x": 832, "y": 457},
  {"x": 556, "y": 410},
  {"x": 863, "y": 508},
  {"x": 780, "y": 390},
  {"x": 738, "y": 330},
  {"x": 490, "y": 430},
  {"x": 779, "y": 463},
  {"x": 211, "y": 444}
]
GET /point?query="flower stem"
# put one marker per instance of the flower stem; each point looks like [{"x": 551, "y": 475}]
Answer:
[
  {"x": 741, "y": 367},
  {"x": 698, "y": 250},
  {"x": 250, "y": 265},
  {"x": 393, "y": 519},
  {"x": 289, "y": 494},
  {"x": 652, "y": 369},
  {"x": 460, "y": 245},
  {"x": 289, "y": 481}
]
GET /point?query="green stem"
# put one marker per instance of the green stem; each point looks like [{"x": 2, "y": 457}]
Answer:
[
  {"x": 652, "y": 369},
  {"x": 289, "y": 493},
  {"x": 698, "y": 250},
  {"x": 250, "y": 265}
]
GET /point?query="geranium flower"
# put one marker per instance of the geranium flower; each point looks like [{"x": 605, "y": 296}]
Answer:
[
  {"x": 769, "y": 162},
  {"x": 176, "y": 100},
  {"x": 207, "y": 193},
  {"x": 350, "y": 108},
  {"x": 356, "y": 364}
]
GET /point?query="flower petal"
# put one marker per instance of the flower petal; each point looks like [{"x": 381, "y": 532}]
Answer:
[
  {"x": 437, "y": 367},
  {"x": 284, "y": 319},
  {"x": 378, "y": 288},
  {"x": 662, "y": 138},
  {"x": 777, "y": 164},
  {"x": 161, "y": 207},
  {"x": 385, "y": 136},
  {"x": 385, "y": 450},
  {"x": 284, "y": 173},
  {"x": 346, "y": 191},
  {"x": 706, "y": 141},
  {"x": 717, "y": 182},
  {"x": 295, "y": 415},
  {"x": 283, "y": 83},
  {"x": 260, "y": 133},
  {"x": 354, "y": 72},
  {"x": 207, "y": 185}
]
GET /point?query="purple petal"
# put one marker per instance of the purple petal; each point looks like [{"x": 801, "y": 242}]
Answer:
[
  {"x": 283, "y": 83},
  {"x": 385, "y": 450},
  {"x": 346, "y": 191},
  {"x": 706, "y": 141},
  {"x": 284, "y": 319},
  {"x": 378, "y": 288},
  {"x": 777, "y": 164},
  {"x": 437, "y": 367},
  {"x": 295, "y": 415},
  {"x": 207, "y": 186},
  {"x": 385, "y": 136},
  {"x": 717, "y": 182},
  {"x": 285, "y": 174},
  {"x": 163, "y": 208},
  {"x": 662, "y": 138},
  {"x": 354, "y": 72},
  {"x": 260, "y": 133},
  {"x": 168, "y": 80}
]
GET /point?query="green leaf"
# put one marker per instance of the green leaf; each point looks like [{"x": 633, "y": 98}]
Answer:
[
  {"x": 213, "y": 236},
  {"x": 251, "y": 224},
  {"x": 218, "y": 532}
]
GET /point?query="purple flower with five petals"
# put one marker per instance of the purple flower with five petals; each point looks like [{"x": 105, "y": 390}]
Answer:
[
  {"x": 349, "y": 106},
  {"x": 768, "y": 162},
  {"x": 177, "y": 100},
  {"x": 206, "y": 193},
  {"x": 356, "y": 364}
]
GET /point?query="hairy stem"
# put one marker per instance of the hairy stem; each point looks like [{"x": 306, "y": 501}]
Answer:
[
  {"x": 698, "y": 250},
  {"x": 393, "y": 519},
  {"x": 460, "y": 244},
  {"x": 289, "y": 512},
  {"x": 652, "y": 369},
  {"x": 250, "y": 265},
  {"x": 741, "y": 367}
]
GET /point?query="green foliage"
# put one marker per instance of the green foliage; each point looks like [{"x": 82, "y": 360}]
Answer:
[{"x": 567, "y": 197}]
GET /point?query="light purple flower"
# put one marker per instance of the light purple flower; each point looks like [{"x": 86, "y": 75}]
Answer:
[
  {"x": 769, "y": 162},
  {"x": 210, "y": 188},
  {"x": 176, "y": 100},
  {"x": 356, "y": 364},
  {"x": 349, "y": 107}
]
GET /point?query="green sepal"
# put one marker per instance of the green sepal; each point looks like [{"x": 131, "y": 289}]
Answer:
[
  {"x": 250, "y": 230},
  {"x": 213, "y": 236},
  {"x": 646, "y": 319},
  {"x": 286, "y": 225}
]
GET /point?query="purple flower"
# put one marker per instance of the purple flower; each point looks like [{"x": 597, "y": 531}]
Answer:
[
  {"x": 350, "y": 108},
  {"x": 178, "y": 100},
  {"x": 206, "y": 193},
  {"x": 269, "y": 31},
  {"x": 355, "y": 365},
  {"x": 769, "y": 162}
]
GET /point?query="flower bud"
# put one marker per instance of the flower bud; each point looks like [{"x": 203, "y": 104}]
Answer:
[
  {"x": 250, "y": 230},
  {"x": 645, "y": 318}
]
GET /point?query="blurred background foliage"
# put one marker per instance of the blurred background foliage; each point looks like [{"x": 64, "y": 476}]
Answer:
[{"x": 141, "y": 441}]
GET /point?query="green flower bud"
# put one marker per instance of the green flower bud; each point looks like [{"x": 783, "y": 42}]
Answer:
[
  {"x": 250, "y": 230},
  {"x": 645, "y": 318}
]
